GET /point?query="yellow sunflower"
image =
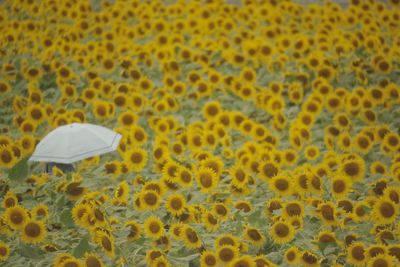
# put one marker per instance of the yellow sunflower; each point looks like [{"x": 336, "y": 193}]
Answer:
[
  {"x": 208, "y": 259},
  {"x": 282, "y": 232},
  {"x": 191, "y": 237},
  {"x": 254, "y": 235},
  {"x": 384, "y": 211},
  {"x": 175, "y": 204},
  {"x": 153, "y": 227},
  {"x": 16, "y": 217},
  {"x": 93, "y": 260},
  {"x": 207, "y": 179},
  {"x": 4, "y": 251},
  {"x": 33, "y": 231},
  {"x": 136, "y": 159}
]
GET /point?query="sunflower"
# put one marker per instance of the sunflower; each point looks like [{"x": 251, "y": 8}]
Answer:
[
  {"x": 33, "y": 231},
  {"x": 391, "y": 143},
  {"x": 176, "y": 230},
  {"x": 134, "y": 230},
  {"x": 152, "y": 255},
  {"x": 309, "y": 259},
  {"x": 74, "y": 190},
  {"x": 27, "y": 143},
  {"x": 40, "y": 212},
  {"x": 293, "y": 209},
  {"x": 153, "y": 227},
  {"x": 161, "y": 262},
  {"x": 353, "y": 168},
  {"x": 7, "y": 158},
  {"x": 128, "y": 119},
  {"x": 282, "y": 232},
  {"x": 191, "y": 237},
  {"x": 170, "y": 169},
  {"x": 136, "y": 159},
  {"x": 226, "y": 239},
  {"x": 239, "y": 176},
  {"x": 207, "y": 179},
  {"x": 356, "y": 254},
  {"x": 106, "y": 242},
  {"x": 359, "y": 212},
  {"x": 326, "y": 237},
  {"x": 175, "y": 204},
  {"x": 227, "y": 254},
  {"x": 4, "y": 251},
  {"x": 155, "y": 186},
  {"x": 212, "y": 109},
  {"x": 375, "y": 250},
  {"x": 4, "y": 87},
  {"x": 214, "y": 163},
  {"x": 92, "y": 260},
  {"x": 208, "y": 259},
  {"x": 71, "y": 261},
  {"x": 121, "y": 194},
  {"x": 16, "y": 217},
  {"x": 210, "y": 221},
  {"x": 327, "y": 213},
  {"x": 244, "y": 206},
  {"x": 150, "y": 200},
  {"x": 384, "y": 211},
  {"x": 254, "y": 235},
  {"x": 78, "y": 211},
  {"x": 268, "y": 170},
  {"x": 340, "y": 186},
  {"x": 293, "y": 256},
  {"x": 10, "y": 200},
  {"x": 281, "y": 185},
  {"x": 311, "y": 152},
  {"x": 100, "y": 109}
]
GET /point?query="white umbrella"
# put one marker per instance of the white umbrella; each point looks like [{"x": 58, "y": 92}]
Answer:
[{"x": 74, "y": 142}]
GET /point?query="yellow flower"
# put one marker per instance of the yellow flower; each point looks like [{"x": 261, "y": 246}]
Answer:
[
  {"x": 40, "y": 212},
  {"x": 384, "y": 211},
  {"x": 293, "y": 256},
  {"x": 356, "y": 254},
  {"x": 254, "y": 235},
  {"x": 4, "y": 251},
  {"x": 16, "y": 217},
  {"x": 210, "y": 221},
  {"x": 207, "y": 179},
  {"x": 92, "y": 259},
  {"x": 33, "y": 231},
  {"x": 153, "y": 227},
  {"x": 175, "y": 204},
  {"x": 134, "y": 231},
  {"x": 150, "y": 200},
  {"x": 190, "y": 237},
  {"x": 227, "y": 254},
  {"x": 7, "y": 157},
  {"x": 208, "y": 259},
  {"x": 282, "y": 232},
  {"x": 10, "y": 200},
  {"x": 136, "y": 159}
]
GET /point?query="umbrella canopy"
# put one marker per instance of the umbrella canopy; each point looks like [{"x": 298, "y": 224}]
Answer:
[{"x": 74, "y": 142}]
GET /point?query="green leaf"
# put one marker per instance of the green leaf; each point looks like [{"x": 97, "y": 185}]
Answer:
[
  {"x": 29, "y": 251},
  {"x": 19, "y": 171},
  {"x": 66, "y": 218},
  {"x": 82, "y": 247}
]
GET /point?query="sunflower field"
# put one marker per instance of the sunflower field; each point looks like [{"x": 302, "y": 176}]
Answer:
[{"x": 260, "y": 133}]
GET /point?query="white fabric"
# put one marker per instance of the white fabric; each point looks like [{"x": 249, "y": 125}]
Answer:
[{"x": 74, "y": 142}]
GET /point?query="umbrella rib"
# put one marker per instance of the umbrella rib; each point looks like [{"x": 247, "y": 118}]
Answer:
[{"x": 87, "y": 152}]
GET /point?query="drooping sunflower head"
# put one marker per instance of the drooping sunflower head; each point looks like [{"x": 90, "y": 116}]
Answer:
[{"x": 255, "y": 236}]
